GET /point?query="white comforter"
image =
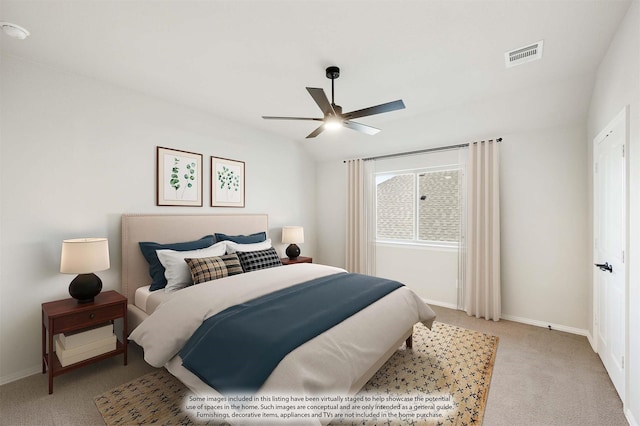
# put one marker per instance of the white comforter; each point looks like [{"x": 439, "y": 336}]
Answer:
[{"x": 330, "y": 363}]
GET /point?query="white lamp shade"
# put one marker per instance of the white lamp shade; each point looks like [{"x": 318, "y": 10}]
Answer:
[
  {"x": 84, "y": 255},
  {"x": 292, "y": 234}
]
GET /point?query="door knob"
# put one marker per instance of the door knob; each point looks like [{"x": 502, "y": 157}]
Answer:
[{"x": 605, "y": 266}]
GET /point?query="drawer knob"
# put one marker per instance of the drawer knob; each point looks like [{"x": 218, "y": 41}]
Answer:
[{"x": 92, "y": 315}]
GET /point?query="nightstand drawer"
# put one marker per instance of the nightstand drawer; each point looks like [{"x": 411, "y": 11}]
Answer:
[{"x": 87, "y": 318}]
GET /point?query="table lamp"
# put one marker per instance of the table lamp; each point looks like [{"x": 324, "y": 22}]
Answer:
[
  {"x": 84, "y": 256},
  {"x": 292, "y": 235}
]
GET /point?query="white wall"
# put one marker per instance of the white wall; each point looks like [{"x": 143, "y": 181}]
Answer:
[
  {"x": 432, "y": 272},
  {"x": 617, "y": 85},
  {"x": 76, "y": 154},
  {"x": 331, "y": 222},
  {"x": 544, "y": 224},
  {"x": 543, "y": 200}
]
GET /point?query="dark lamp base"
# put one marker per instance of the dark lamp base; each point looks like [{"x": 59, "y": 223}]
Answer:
[
  {"x": 85, "y": 287},
  {"x": 293, "y": 251}
]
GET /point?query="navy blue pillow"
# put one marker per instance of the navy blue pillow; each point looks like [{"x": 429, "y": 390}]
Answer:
[
  {"x": 258, "y": 237},
  {"x": 156, "y": 270}
]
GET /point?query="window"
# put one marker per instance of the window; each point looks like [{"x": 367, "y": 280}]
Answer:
[
  {"x": 421, "y": 206},
  {"x": 395, "y": 206}
]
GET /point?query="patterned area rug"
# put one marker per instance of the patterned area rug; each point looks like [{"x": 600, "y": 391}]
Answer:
[
  {"x": 451, "y": 364},
  {"x": 443, "y": 380}
]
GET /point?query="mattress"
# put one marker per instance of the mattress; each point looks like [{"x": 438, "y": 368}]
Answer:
[{"x": 148, "y": 300}]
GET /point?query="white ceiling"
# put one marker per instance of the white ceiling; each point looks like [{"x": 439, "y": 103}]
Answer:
[{"x": 244, "y": 59}]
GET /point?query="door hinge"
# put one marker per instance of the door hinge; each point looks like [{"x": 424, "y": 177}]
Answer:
[
  {"x": 595, "y": 168},
  {"x": 623, "y": 150},
  {"x": 622, "y": 256},
  {"x": 622, "y": 363}
]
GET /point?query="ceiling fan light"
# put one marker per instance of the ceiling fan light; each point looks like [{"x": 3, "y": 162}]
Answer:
[
  {"x": 332, "y": 124},
  {"x": 14, "y": 31}
]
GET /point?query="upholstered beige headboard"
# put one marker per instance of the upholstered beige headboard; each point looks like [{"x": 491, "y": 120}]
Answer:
[{"x": 171, "y": 229}]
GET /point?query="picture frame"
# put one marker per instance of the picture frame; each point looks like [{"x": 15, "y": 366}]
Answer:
[
  {"x": 227, "y": 182},
  {"x": 178, "y": 178}
]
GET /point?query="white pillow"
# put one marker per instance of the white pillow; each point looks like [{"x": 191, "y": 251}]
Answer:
[
  {"x": 177, "y": 271},
  {"x": 234, "y": 247}
]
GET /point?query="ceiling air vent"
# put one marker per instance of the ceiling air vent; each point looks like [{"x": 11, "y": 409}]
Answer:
[{"x": 523, "y": 55}]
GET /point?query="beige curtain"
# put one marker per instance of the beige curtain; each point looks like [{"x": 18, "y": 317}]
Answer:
[
  {"x": 482, "y": 274},
  {"x": 360, "y": 250}
]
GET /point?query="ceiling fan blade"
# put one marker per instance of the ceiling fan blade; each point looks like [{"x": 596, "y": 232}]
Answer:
[
  {"x": 321, "y": 99},
  {"x": 360, "y": 127},
  {"x": 378, "y": 109},
  {"x": 267, "y": 117},
  {"x": 316, "y": 132}
]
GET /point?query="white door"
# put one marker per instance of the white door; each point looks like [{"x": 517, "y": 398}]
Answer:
[{"x": 609, "y": 245}]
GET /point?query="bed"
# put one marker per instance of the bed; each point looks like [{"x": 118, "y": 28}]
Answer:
[{"x": 340, "y": 361}]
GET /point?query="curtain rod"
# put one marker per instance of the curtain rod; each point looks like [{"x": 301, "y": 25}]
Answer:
[{"x": 422, "y": 151}]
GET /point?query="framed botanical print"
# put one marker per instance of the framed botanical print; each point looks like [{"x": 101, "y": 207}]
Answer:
[
  {"x": 227, "y": 182},
  {"x": 178, "y": 178}
]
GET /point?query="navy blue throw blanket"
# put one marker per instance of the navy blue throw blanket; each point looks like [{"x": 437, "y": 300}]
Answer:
[{"x": 238, "y": 348}]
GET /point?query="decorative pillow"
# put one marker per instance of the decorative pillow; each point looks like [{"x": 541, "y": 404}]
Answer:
[
  {"x": 258, "y": 237},
  {"x": 177, "y": 272},
  {"x": 261, "y": 259},
  {"x": 213, "y": 268},
  {"x": 234, "y": 247},
  {"x": 156, "y": 270}
]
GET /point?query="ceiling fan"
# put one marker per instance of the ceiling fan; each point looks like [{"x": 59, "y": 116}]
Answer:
[{"x": 333, "y": 116}]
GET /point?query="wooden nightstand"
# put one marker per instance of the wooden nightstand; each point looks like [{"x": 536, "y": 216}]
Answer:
[
  {"x": 64, "y": 316},
  {"x": 299, "y": 259}
]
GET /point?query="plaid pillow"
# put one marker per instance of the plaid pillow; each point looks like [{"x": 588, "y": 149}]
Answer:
[
  {"x": 212, "y": 268},
  {"x": 261, "y": 259}
]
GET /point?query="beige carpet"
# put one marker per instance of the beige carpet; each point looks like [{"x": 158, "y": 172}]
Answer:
[{"x": 444, "y": 380}]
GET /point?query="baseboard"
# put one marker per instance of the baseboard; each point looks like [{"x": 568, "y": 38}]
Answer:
[
  {"x": 592, "y": 342},
  {"x": 557, "y": 327},
  {"x": 632, "y": 421},
  {"x": 442, "y": 304},
  {"x": 20, "y": 374}
]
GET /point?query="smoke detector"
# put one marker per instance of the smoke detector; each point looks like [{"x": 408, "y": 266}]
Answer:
[
  {"x": 14, "y": 31},
  {"x": 522, "y": 55}
]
